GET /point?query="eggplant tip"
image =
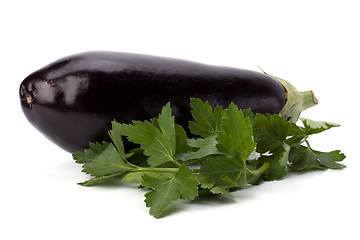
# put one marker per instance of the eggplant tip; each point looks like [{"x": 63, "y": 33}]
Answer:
[{"x": 315, "y": 100}]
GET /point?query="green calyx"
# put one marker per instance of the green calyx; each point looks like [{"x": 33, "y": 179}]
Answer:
[{"x": 296, "y": 101}]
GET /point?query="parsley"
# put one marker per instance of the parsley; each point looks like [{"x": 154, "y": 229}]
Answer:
[
  {"x": 183, "y": 184},
  {"x": 218, "y": 160}
]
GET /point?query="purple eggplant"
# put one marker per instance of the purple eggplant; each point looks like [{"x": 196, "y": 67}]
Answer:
[{"x": 73, "y": 100}]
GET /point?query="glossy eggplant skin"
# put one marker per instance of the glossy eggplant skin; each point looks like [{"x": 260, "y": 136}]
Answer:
[{"x": 73, "y": 100}]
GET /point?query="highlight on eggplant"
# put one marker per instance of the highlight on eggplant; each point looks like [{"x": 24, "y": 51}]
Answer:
[{"x": 73, "y": 100}]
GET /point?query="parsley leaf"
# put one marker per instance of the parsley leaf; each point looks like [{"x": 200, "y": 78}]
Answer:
[
  {"x": 159, "y": 144},
  {"x": 167, "y": 126},
  {"x": 181, "y": 140},
  {"x": 236, "y": 140},
  {"x": 118, "y": 142},
  {"x": 270, "y": 131},
  {"x": 101, "y": 159},
  {"x": 305, "y": 158},
  {"x": 206, "y": 147},
  {"x": 167, "y": 191},
  {"x": 207, "y": 122},
  {"x": 313, "y": 127},
  {"x": 276, "y": 164},
  {"x": 221, "y": 168}
]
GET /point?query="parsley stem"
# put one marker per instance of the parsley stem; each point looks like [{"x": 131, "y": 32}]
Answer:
[
  {"x": 256, "y": 174},
  {"x": 176, "y": 162},
  {"x": 261, "y": 169},
  {"x": 133, "y": 165},
  {"x": 152, "y": 169},
  {"x": 297, "y": 142}
]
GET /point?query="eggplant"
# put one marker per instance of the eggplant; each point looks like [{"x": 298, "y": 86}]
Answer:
[{"x": 73, "y": 100}]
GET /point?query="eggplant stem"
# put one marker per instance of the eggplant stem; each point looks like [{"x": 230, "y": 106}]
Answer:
[{"x": 296, "y": 101}]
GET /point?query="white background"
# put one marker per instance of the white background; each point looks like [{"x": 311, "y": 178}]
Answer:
[{"x": 313, "y": 44}]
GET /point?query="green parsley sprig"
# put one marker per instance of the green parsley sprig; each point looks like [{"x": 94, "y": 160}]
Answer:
[{"x": 218, "y": 160}]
